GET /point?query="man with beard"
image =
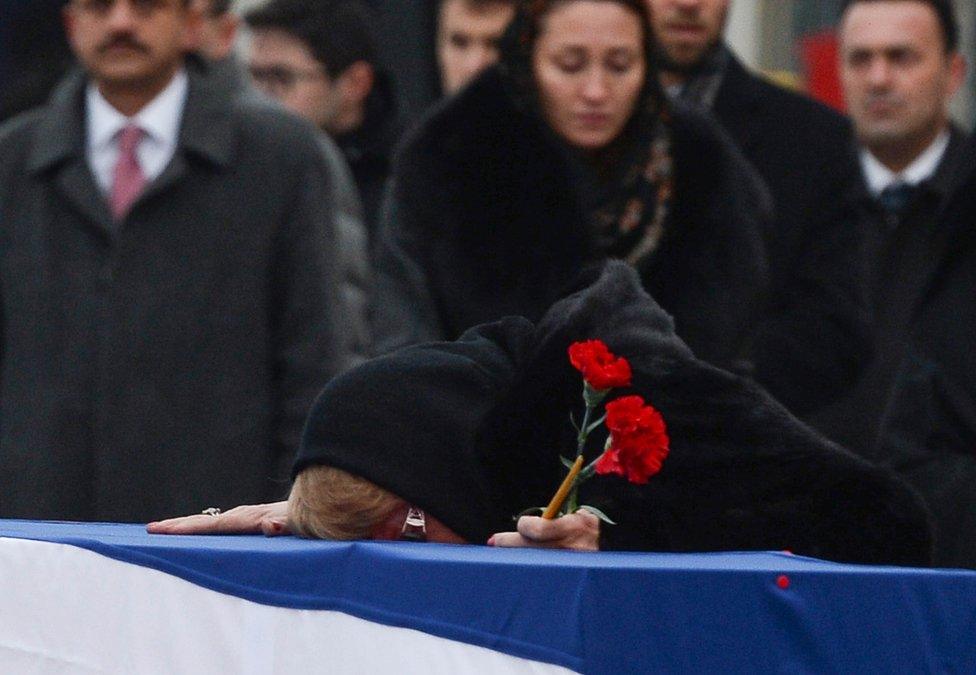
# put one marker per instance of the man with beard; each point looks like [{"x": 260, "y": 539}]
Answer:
[
  {"x": 900, "y": 66},
  {"x": 167, "y": 284},
  {"x": 811, "y": 345}
]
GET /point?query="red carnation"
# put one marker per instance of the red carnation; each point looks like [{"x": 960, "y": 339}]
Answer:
[
  {"x": 638, "y": 440},
  {"x": 600, "y": 367}
]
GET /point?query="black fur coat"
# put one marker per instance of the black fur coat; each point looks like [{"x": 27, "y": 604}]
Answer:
[
  {"x": 483, "y": 220},
  {"x": 472, "y": 431},
  {"x": 742, "y": 474}
]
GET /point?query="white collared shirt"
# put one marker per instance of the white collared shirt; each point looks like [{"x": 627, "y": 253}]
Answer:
[
  {"x": 159, "y": 119},
  {"x": 878, "y": 176}
]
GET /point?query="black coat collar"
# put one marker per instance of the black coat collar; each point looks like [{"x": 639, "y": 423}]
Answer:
[{"x": 937, "y": 188}]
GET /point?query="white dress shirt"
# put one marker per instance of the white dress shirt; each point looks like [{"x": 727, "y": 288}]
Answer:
[
  {"x": 159, "y": 120},
  {"x": 878, "y": 176}
]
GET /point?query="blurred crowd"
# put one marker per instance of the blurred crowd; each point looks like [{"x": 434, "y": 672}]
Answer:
[{"x": 205, "y": 215}]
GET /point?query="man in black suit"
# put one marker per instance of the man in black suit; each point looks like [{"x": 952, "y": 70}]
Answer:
[
  {"x": 928, "y": 430},
  {"x": 168, "y": 302},
  {"x": 899, "y": 67},
  {"x": 813, "y": 342}
]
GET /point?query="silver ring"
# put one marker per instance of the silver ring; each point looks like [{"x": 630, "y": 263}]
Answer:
[{"x": 212, "y": 511}]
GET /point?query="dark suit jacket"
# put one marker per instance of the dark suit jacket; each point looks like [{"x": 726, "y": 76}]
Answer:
[
  {"x": 901, "y": 255},
  {"x": 817, "y": 335},
  {"x": 928, "y": 432},
  {"x": 165, "y": 363}
]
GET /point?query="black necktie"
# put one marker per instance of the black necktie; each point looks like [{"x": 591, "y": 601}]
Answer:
[{"x": 896, "y": 197}]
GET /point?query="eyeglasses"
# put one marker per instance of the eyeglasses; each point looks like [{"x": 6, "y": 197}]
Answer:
[
  {"x": 279, "y": 79},
  {"x": 140, "y": 7},
  {"x": 414, "y": 526}
]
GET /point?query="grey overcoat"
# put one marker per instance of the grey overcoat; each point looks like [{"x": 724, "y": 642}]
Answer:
[{"x": 165, "y": 363}]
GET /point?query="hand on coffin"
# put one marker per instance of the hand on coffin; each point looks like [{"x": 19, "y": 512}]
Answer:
[{"x": 271, "y": 519}]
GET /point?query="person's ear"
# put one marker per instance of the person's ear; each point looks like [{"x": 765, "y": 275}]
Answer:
[
  {"x": 356, "y": 82},
  {"x": 68, "y": 20},
  {"x": 227, "y": 26},
  {"x": 193, "y": 27},
  {"x": 957, "y": 73}
]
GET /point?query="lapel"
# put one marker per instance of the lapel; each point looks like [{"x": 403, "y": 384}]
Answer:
[
  {"x": 955, "y": 225},
  {"x": 59, "y": 149},
  {"x": 207, "y": 134},
  {"x": 949, "y": 172},
  {"x": 736, "y": 102},
  {"x": 207, "y": 131}
]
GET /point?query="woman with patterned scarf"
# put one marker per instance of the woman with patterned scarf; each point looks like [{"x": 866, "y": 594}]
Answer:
[{"x": 566, "y": 153}]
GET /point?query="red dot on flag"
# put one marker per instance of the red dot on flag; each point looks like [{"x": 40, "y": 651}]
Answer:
[{"x": 783, "y": 582}]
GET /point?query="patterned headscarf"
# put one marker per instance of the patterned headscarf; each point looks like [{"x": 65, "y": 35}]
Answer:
[{"x": 630, "y": 224}]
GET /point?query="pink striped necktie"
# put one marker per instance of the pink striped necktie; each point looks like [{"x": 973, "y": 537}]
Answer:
[{"x": 128, "y": 179}]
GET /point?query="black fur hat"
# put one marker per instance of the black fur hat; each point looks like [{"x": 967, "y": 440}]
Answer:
[{"x": 407, "y": 422}]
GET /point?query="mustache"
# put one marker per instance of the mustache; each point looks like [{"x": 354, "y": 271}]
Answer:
[
  {"x": 122, "y": 40},
  {"x": 886, "y": 98},
  {"x": 677, "y": 20},
  {"x": 683, "y": 17}
]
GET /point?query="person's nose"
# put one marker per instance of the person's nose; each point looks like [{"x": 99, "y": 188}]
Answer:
[
  {"x": 595, "y": 89},
  {"x": 121, "y": 15},
  {"x": 878, "y": 73}
]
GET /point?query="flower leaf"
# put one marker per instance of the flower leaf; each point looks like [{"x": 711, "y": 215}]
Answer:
[
  {"x": 568, "y": 463},
  {"x": 587, "y": 472},
  {"x": 572, "y": 420},
  {"x": 597, "y": 512},
  {"x": 593, "y": 426}
]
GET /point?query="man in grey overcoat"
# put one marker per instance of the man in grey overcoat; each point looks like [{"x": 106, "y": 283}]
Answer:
[{"x": 168, "y": 303}]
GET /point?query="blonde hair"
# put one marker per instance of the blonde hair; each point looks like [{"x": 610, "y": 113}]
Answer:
[{"x": 329, "y": 503}]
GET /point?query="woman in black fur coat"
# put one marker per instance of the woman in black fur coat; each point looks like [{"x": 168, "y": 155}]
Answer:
[
  {"x": 470, "y": 433},
  {"x": 508, "y": 190}
]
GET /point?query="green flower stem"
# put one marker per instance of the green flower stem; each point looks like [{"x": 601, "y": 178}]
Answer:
[
  {"x": 592, "y": 398},
  {"x": 571, "y": 505},
  {"x": 584, "y": 431}
]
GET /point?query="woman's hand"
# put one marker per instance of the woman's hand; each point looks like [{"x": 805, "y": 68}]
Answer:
[
  {"x": 578, "y": 531},
  {"x": 271, "y": 519}
]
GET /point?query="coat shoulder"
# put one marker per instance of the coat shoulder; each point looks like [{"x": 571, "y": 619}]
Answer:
[
  {"x": 803, "y": 109},
  {"x": 698, "y": 134},
  {"x": 17, "y": 138},
  {"x": 266, "y": 129},
  {"x": 479, "y": 160},
  {"x": 478, "y": 123},
  {"x": 15, "y": 132},
  {"x": 791, "y": 119}
]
